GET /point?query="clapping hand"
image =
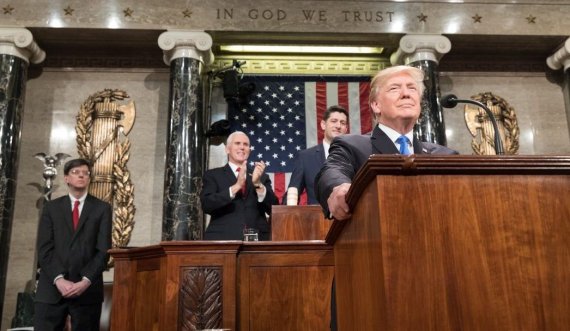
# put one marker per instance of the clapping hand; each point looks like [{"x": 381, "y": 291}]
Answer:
[{"x": 258, "y": 171}]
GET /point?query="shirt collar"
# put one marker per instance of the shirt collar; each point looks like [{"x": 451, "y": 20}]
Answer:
[
  {"x": 233, "y": 166},
  {"x": 81, "y": 199},
  {"x": 326, "y": 147},
  {"x": 393, "y": 134}
]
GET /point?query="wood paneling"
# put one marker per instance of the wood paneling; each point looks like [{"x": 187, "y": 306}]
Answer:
[
  {"x": 298, "y": 223},
  {"x": 181, "y": 285},
  {"x": 283, "y": 289},
  {"x": 483, "y": 247}
]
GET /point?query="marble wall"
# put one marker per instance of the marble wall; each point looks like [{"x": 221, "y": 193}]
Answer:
[
  {"x": 53, "y": 99},
  {"x": 538, "y": 103}
]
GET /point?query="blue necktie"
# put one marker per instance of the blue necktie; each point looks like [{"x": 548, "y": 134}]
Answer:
[{"x": 403, "y": 141}]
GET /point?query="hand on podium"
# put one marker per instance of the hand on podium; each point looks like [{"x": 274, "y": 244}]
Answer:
[{"x": 338, "y": 207}]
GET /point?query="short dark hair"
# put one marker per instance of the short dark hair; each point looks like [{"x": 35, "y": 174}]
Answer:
[
  {"x": 74, "y": 164},
  {"x": 334, "y": 109}
]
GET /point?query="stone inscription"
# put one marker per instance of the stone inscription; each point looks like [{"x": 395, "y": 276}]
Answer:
[{"x": 306, "y": 15}]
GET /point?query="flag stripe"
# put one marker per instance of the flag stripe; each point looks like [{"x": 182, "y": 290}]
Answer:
[
  {"x": 333, "y": 94},
  {"x": 321, "y": 107},
  {"x": 354, "y": 107},
  {"x": 343, "y": 94},
  {"x": 279, "y": 185},
  {"x": 365, "y": 111},
  {"x": 311, "y": 113}
]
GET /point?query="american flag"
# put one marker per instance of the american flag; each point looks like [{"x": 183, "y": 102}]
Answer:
[{"x": 283, "y": 113}]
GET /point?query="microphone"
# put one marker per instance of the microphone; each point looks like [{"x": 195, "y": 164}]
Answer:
[{"x": 450, "y": 101}]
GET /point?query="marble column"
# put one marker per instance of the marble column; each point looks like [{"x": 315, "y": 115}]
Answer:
[
  {"x": 17, "y": 50},
  {"x": 186, "y": 52},
  {"x": 424, "y": 52},
  {"x": 561, "y": 59}
]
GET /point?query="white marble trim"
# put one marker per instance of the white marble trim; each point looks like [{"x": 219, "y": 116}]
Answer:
[
  {"x": 20, "y": 42},
  {"x": 561, "y": 58},
  {"x": 192, "y": 44}
]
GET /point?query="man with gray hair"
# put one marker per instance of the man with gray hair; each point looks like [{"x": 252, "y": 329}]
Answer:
[{"x": 237, "y": 196}]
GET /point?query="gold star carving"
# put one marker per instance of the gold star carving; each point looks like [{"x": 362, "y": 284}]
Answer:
[
  {"x": 476, "y": 18},
  {"x": 422, "y": 17},
  {"x": 128, "y": 12},
  {"x": 68, "y": 11},
  {"x": 8, "y": 10},
  {"x": 531, "y": 19},
  {"x": 187, "y": 13}
]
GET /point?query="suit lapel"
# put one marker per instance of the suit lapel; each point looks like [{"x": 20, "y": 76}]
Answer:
[
  {"x": 381, "y": 143},
  {"x": 85, "y": 212},
  {"x": 320, "y": 154},
  {"x": 231, "y": 178},
  {"x": 67, "y": 213},
  {"x": 418, "y": 147}
]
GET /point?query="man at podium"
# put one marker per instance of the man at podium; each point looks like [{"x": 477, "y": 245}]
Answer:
[{"x": 395, "y": 100}]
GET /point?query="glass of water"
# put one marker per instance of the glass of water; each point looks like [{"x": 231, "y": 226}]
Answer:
[{"x": 250, "y": 234}]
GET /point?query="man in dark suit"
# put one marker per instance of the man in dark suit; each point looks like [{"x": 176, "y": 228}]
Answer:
[
  {"x": 395, "y": 99},
  {"x": 237, "y": 196},
  {"x": 308, "y": 162},
  {"x": 74, "y": 236}
]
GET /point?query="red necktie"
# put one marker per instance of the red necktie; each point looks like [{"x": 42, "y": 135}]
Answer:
[
  {"x": 75, "y": 214},
  {"x": 244, "y": 184}
]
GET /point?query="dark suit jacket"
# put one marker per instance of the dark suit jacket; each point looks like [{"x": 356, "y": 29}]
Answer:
[
  {"x": 307, "y": 165},
  {"x": 74, "y": 254},
  {"x": 229, "y": 216},
  {"x": 349, "y": 152}
]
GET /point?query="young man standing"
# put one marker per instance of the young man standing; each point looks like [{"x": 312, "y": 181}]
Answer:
[{"x": 74, "y": 236}]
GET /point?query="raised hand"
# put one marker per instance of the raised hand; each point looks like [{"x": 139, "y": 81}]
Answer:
[{"x": 258, "y": 172}]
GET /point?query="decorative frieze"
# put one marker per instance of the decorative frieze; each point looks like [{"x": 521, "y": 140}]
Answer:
[{"x": 493, "y": 17}]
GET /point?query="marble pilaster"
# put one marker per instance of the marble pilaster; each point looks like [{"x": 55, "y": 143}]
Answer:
[
  {"x": 561, "y": 59},
  {"x": 17, "y": 49},
  {"x": 186, "y": 52},
  {"x": 424, "y": 52}
]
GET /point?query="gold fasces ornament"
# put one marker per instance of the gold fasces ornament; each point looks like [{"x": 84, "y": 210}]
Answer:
[
  {"x": 102, "y": 128},
  {"x": 481, "y": 128}
]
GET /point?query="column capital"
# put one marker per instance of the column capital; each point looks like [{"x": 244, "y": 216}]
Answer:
[
  {"x": 416, "y": 47},
  {"x": 186, "y": 43},
  {"x": 20, "y": 42},
  {"x": 560, "y": 58}
]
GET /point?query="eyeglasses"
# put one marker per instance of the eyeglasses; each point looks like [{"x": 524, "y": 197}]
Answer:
[{"x": 76, "y": 172}]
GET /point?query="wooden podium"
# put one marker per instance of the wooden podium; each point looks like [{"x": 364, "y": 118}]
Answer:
[
  {"x": 294, "y": 223},
  {"x": 234, "y": 285},
  {"x": 455, "y": 243}
]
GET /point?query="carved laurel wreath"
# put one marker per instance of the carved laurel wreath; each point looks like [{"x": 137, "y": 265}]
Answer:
[
  {"x": 124, "y": 208},
  {"x": 509, "y": 119}
]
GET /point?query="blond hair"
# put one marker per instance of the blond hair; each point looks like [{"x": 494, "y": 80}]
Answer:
[{"x": 383, "y": 75}]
